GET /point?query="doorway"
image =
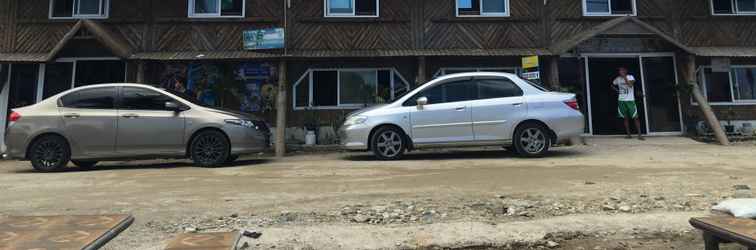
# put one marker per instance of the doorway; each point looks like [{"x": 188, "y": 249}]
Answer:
[{"x": 655, "y": 94}]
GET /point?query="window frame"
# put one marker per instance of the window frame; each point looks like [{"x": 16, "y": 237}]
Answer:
[
  {"x": 704, "y": 83},
  {"x": 327, "y": 10},
  {"x": 192, "y": 14},
  {"x": 122, "y": 94},
  {"x": 307, "y": 78},
  {"x": 506, "y": 13},
  {"x": 610, "y": 14},
  {"x": 105, "y": 9},
  {"x": 735, "y": 11}
]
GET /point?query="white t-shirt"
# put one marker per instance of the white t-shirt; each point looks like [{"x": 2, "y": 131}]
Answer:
[{"x": 626, "y": 91}]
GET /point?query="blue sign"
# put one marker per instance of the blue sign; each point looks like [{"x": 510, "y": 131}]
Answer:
[{"x": 264, "y": 39}]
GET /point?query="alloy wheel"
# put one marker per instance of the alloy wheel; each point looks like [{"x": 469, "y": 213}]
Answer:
[
  {"x": 533, "y": 140},
  {"x": 49, "y": 154},
  {"x": 209, "y": 149},
  {"x": 389, "y": 144}
]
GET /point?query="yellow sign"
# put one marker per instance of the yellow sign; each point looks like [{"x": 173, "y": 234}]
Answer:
[{"x": 530, "y": 62}]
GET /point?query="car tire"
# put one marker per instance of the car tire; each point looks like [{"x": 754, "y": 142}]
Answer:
[
  {"x": 84, "y": 164},
  {"x": 232, "y": 158},
  {"x": 49, "y": 153},
  {"x": 388, "y": 143},
  {"x": 532, "y": 140},
  {"x": 209, "y": 149}
]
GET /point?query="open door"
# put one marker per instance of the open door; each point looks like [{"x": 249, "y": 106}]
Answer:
[
  {"x": 603, "y": 99},
  {"x": 662, "y": 100}
]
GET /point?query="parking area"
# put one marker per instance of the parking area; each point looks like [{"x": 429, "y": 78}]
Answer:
[{"x": 627, "y": 188}]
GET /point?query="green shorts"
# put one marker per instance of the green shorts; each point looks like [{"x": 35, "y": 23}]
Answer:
[{"x": 627, "y": 109}]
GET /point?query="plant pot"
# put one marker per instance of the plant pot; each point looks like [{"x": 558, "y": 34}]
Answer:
[{"x": 311, "y": 138}]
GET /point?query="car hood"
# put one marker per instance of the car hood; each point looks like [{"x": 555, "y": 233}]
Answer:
[
  {"x": 233, "y": 113},
  {"x": 368, "y": 109}
]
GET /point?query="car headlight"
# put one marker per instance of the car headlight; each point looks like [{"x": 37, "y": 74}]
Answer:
[
  {"x": 355, "y": 120},
  {"x": 241, "y": 122}
]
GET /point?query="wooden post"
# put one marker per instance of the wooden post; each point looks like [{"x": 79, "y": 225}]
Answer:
[
  {"x": 421, "y": 74},
  {"x": 281, "y": 110},
  {"x": 690, "y": 74},
  {"x": 554, "y": 73},
  {"x": 140, "y": 72}
]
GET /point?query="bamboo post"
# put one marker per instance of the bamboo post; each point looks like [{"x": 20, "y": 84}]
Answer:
[
  {"x": 690, "y": 74},
  {"x": 554, "y": 73},
  {"x": 281, "y": 110}
]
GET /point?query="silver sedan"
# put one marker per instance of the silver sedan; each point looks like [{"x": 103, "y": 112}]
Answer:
[
  {"x": 469, "y": 109},
  {"x": 129, "y": 121}
]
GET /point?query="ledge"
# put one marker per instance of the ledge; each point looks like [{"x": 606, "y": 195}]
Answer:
[
  {"x": 352, "y": 20},
  {"x": 484, "y": 19}
]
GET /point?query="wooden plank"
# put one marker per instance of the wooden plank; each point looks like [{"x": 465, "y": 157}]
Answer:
[
  {"x": 204, "y": 241},
  {"x": 61, "y": 232},
  {"x": 723, "y": 229}
]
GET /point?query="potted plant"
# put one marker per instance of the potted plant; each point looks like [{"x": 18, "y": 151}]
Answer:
[{"x": 311, "y": 127}]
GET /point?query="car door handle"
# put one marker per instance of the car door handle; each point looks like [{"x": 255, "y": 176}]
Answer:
[
  {"x": 130, "y": 116},
  {"x": 71, "y": 115},
  {"x": 460, "y": 109},
  {"x": 517, "y": 104}
]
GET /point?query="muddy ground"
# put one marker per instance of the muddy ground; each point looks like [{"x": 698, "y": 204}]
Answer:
[{"x": 609, "y": 194}]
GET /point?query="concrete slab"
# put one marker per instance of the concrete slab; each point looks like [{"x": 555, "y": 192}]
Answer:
[
  {"x": 205, "y": 241},
  {"x": 61, "y": 231}
]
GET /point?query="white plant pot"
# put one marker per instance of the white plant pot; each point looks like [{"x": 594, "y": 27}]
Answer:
[{"x": 310, "y": 138}]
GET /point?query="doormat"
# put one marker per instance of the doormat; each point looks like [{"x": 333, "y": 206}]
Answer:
[
  {"x": 205, "y": 241},
  {"x": 61, "y": 232}
]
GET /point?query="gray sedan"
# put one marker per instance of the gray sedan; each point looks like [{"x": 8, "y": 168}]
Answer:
[
  {"x": 469, "y": 109},
  {"x": 129, "y": 121}
]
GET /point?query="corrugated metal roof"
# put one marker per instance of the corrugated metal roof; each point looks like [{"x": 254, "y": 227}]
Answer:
[
  {"x": 23, "y": 57},
  {"x": 725, "y": 51}
]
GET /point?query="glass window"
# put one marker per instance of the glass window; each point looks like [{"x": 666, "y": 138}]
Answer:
[
  {"x": 78, "y": 8},
  {"x": 23, "y": 85},
  {"x": 325, "y": 85},
  {"x": 497, "y": 88},
  {"x": 143, "y": 99},
  {"x": 460, "y": 91},
  {"x": 746, "y": 5},
  {"x": 95, "y": 98},
  {"x": 745, "y": 83},
  {"x": 609, "y": 7},
  {"x": 722, "y": 6},
  {"x": 57, "y": 78},
  {"x": 216, "y": 8},
  {"x": 482, "y": 7},
  {"x": 96, "y": 72},
  {"x": 358, "y": 87},
  {"x": 718, "y": 86},
  {"x": 348, "y": 88},
  {"x": 351, "y": 7}
]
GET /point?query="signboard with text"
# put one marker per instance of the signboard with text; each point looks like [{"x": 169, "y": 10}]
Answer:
[
  {"x": 272, "y": 38},
  {"x": 531, "y": 68}
]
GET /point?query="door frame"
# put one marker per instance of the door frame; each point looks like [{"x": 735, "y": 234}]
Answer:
[{"x": 587, "y": 56}]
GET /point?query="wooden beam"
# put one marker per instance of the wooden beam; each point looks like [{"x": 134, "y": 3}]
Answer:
[
  {"x": 689, "y": 69},
  {"x": 421, "y": 74},
  {"x": 281, "y": 110},
  {"x": 553, "y": 80},
  {"x": 140, "y": 72}
]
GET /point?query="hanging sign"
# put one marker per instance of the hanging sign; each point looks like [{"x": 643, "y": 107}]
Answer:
[
  {"x": 264, "y": 39},
  {"x": 530, "y": 68}
]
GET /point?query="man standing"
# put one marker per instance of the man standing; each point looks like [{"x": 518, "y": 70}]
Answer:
[{"x": 624, "y": 84}]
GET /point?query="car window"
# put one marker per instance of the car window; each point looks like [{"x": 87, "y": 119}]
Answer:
[
  {"x": 457, "y": 91},
  {"x": 497, "y": 88},
  {"x": 143, "y": 99},
  {"x": 94, "y": 98}
]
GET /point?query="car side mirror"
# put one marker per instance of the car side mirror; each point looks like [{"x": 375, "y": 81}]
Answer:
[
  {"x": 173, "y": 106},
  {"x": 422, "y": 101}
]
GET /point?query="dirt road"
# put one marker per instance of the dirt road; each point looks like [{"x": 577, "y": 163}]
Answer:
[{"x": 612, "y": 193}]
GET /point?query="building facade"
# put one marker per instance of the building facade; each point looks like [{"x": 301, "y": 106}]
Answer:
[{"x": 330, "y": 57}]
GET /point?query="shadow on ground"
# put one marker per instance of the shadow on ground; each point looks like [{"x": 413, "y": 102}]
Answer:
[
  {"x": 137, "y": 165},
  {"x": 464, "y": 155}
]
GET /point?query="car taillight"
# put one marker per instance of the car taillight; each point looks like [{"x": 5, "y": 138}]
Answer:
[
  {"x": 573, "y": 104},
  {"x": 14, "y": 117}
]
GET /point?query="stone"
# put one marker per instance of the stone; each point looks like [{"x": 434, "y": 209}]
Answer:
[
  {"x": 625, "y": 209},
  {"x": 608, "y": 208},
  {"x": 741, "y": 187},
  {"x": 590, "y": 183},
  {"x": 552, "y": 244},
  {"x": 251, "y": 234},
  {"x": 360, "y": 218},
  {"x": 190, "y": 229},
  {"x": 743, "y": 194}
]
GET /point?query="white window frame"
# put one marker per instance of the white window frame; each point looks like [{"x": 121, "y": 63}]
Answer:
[
  {"x": 105, "y": 9},
  {"x": 586, "y": 13},
  {"x": 705, "y": 83},
  {"x": 191, "y": 14},
  {"x": 736, "y": 11},
  {"x": 442, "y": 71},
  {"x": 484, "y": 14},
  {"x": 306, "y": 78},
  {"x": 327, "y": 10}
]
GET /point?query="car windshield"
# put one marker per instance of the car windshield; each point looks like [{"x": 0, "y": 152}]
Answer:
[{"x": 186, "y": 97}]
